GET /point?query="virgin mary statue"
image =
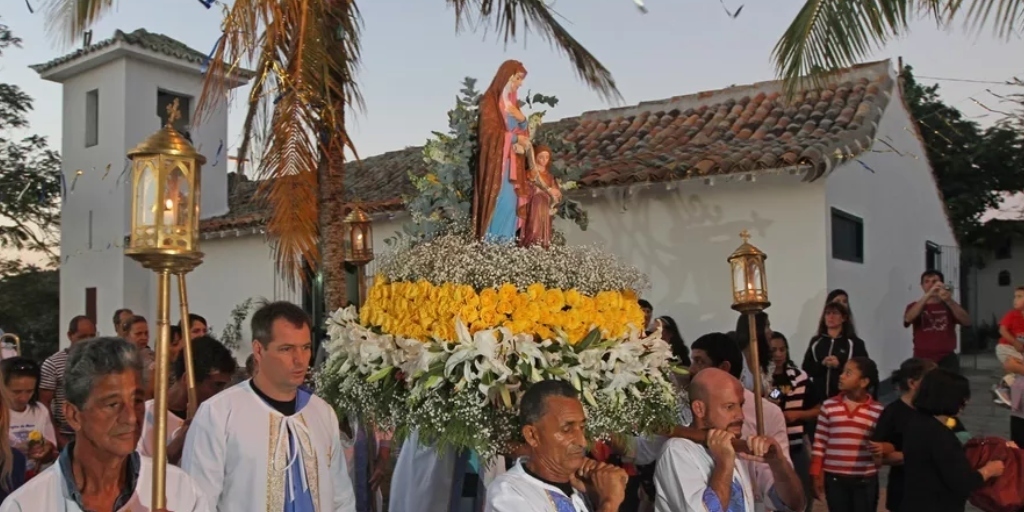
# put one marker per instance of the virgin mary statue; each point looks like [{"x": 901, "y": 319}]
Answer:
[{"x": 504, "y": 141}]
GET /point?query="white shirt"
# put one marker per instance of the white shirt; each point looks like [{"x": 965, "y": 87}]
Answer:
[
  {"x": 422, "y": 480},
  {"x": 237, "y": 451},
  {"x": 48, "y": 493},
  {"x": 517, "y": 491},
  {"x": 33, "y": 418},
  {"x": 174, "y": 423},
  {"x": 683, "y": 474}
]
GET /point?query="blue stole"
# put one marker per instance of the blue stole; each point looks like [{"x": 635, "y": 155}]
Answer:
[
  {"x": 298, "y": 496},
  {"x": 562, "y": 502}
]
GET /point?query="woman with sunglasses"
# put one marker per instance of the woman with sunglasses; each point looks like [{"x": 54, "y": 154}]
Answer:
[{"x": 31, "y": 430}]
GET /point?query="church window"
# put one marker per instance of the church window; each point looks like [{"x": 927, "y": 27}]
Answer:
[{"x": 92, "y": 118}]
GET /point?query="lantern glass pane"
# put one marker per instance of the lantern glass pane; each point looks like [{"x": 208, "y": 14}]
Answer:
[
  {"x": 738, "y": 276},
  {"x": 358, "y": 240},
  {"x": 756, "y": 279},
  {"x": 145, "y": 198},
  {"x": 178, "y": 192}
]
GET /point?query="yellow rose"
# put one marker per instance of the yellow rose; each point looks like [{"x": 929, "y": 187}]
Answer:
[
  {"x": 534, "y": 291},
  {"x": 424, "y": 287},
  {"x": 630, "y": 296},
  {"x": 488, "y": 298},
  {"x": 507, "y": 292},
  {"x": 520, "y": 326},
  {"x": 464, "y": 293},
  {"x": 489, "y": 317},
  {"x": 529, "y": 312},
  {"x": 543, "y": 332},
  {"x": 573, "y": 297},
  {"x": 554, "y": 299},
  {"x": 468, "y": 314},
  {"x": 505, "y": 307}
]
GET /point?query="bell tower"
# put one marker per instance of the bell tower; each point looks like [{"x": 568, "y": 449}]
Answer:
[{"x": 115, "y": 94}]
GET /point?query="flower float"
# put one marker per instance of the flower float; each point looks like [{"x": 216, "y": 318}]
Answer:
[
  {"x": 448, "y": 349},
  {"x": 479, "y": 298}
]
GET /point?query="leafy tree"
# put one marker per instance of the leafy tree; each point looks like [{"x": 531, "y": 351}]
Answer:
[
  {"x": 30, "y": 179},
  {"x": 30, "y": 308},
  {"x": 972, "y": 165}
]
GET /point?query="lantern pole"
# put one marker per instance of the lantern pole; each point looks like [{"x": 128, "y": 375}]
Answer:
[
  {"x": 186, "y": 338},
  {"x": 164, "y": 238},
  {"x": 750, "y": 296}
]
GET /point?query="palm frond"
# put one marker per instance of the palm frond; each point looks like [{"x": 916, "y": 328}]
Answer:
[
  {"x": 511, "y": 16},
  {"x": 828, "y": 35},
  {"x": 306, "y": 54},
  {"x": 1006, "y": 17},
  {"x": 67, "y": 20}
]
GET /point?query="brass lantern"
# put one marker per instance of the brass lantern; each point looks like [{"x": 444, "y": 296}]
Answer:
[
  {"x": 358, "y": 238},
  {"x": 165, "y": 238},
  {"x": 749, "y": 285},
  {"x": 165, "y": 200}
]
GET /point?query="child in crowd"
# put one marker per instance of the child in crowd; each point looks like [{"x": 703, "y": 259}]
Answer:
[
  {"x": 844, "y": 471},
  {"x": 887, "y": 441},
  {"x": 1010, "y": 347}
]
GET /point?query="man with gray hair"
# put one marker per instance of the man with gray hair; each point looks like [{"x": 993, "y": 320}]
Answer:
[
  {"x": 557, "y": 473},
  {"x": 100, "y": 469}
]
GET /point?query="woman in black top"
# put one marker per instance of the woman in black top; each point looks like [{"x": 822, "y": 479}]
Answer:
[
  {"x": 829, "y": 351},
  {"x": 887, "y": 441},
  {"x": 937, "y": 475}
]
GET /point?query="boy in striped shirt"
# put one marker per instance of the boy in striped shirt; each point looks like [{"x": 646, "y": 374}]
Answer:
[{"x": 844, "y": 471}]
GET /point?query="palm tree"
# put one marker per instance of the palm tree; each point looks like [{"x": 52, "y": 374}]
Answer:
[
  {"x": 828, "y": 35},
  {"x": 306, "y": 54}
]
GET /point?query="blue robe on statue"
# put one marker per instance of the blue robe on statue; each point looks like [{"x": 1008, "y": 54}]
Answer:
[{"x": 505, "y": 219}]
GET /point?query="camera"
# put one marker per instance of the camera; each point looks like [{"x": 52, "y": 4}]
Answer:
[{"x": 775, "y": 394}]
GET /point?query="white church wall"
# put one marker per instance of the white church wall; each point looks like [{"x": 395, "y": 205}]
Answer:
[
  {"x": 896, "y": 197},
  {"x": 681, "y": 239}
]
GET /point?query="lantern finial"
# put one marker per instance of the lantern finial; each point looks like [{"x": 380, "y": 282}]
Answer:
[
  {"x": 173, "y": 114},
  {"x": 745, "y": 235}
]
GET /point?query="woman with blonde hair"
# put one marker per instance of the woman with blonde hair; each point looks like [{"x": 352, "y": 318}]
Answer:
[{"x": 12, "y": 462}]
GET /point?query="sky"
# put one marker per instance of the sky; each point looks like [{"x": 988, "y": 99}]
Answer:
[{"x": 414, "y": 62}]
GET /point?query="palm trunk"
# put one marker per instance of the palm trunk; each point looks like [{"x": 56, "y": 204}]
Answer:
[{"x": 330, "y": 175}]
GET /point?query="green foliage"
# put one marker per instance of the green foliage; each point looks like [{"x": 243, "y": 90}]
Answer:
[
  {"x": 972, "y": 165},
  {"x": 444, "y": 194},
  {"x": 30, "y": 308},
  {"x": 29, "y": 179},
  {"x": 231, "y": 337}
]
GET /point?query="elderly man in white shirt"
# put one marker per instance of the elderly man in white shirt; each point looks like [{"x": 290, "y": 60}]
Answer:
[
  {"x": 100, "y": 469},
  {"x": 556, "y": 475},
  {"x": 693, "y": 477}
]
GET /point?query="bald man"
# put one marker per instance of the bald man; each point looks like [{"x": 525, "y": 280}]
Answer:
[{"x": 692, "y": 477}]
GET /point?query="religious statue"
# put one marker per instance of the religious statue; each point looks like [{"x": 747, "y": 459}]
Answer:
[
  {"x": 542, "y": 200},
  {"x": 500, "y": 184}
]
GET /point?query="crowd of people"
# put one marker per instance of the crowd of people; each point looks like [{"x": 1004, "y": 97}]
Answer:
[{"x": 81, "y": 428}]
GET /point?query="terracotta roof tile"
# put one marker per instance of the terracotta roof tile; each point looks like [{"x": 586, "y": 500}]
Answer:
[{"x": 736, "y": 130}]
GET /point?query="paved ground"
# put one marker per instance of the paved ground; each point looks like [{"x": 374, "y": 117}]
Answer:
[{"x": 982, "y": 417}]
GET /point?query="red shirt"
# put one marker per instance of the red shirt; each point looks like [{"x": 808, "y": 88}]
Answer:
[
  {"x": 842, "y": 437},
  {"x": 1014, "y": 322},
  {"x": 934, "y": 331}
]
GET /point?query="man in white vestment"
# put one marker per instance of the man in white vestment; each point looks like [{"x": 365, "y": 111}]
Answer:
[
  {"x": 100, "y": 469},
  {"x": 690, "y": 476},
  {"x": 268, "y": 444},
  {"x": 556, "y": 476},
  {"x": 214, "y": 366}
]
